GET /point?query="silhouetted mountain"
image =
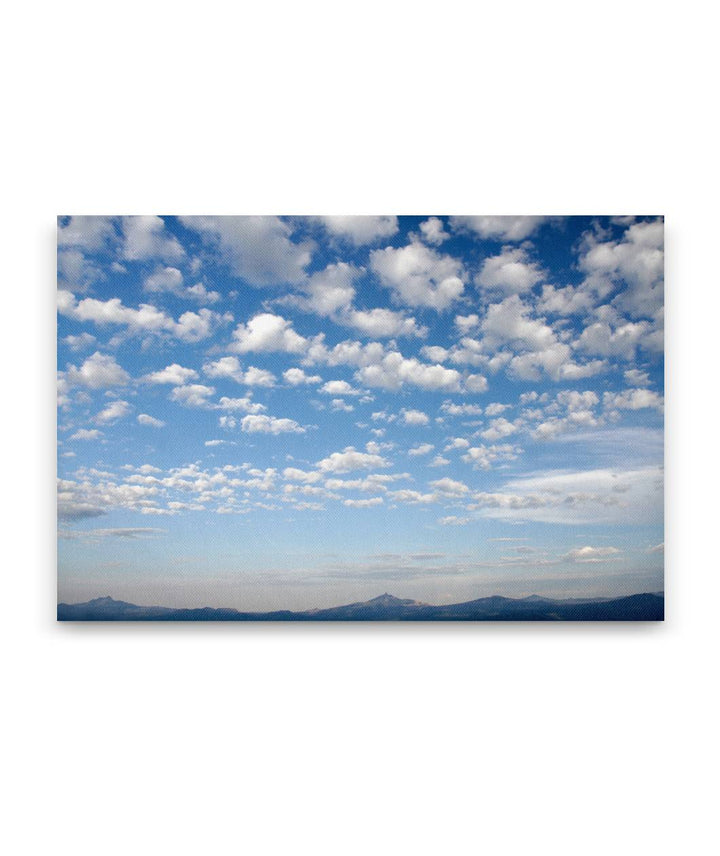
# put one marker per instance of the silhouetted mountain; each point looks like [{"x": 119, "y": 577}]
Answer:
[{"x": 638, "y": 607}]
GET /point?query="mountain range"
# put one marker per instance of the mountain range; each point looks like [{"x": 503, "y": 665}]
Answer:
[{"x": 638, "y": 607}]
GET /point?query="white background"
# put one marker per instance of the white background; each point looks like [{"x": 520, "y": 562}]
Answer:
[{"x": 356, "y": 740}]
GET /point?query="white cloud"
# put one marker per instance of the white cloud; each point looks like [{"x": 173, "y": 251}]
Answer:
[
  {"x": 80, "y": 342},
  {"x": 361, "y": 230},
  {"x": 190, "y": 327},
  {"x": 88, "y": 233},
  {"x": 363, "y": 503},
  {"x": 433, "y": 232},
  {"x": 511, "y": 271},
  {"x": 450, "y": 487},
  {"x": 393, "y": 370},
  {"x": 592, "y": 554},
  {"x": 350, "y": 459},
  {"x": 338, "y": 387},
  {"x": 414, "y": 417},
  {"x": 418, "y": 276},
  {"x": 476, "y": 383},
  {"x": 383, "y": 323},
  {"x": 422, "y": 449},
  {"x": 114, "y": 411},
  {"x": 150, "y": 421},
  {"x": 453, "y": 520},
  {"x": 297, "y": 377},
  {"x": 483, "y": 457},
  {"x": 263, "y": 424},
  {"x": 168, "y": 279},
  {"x": 174, "y": 374},
  {"x": 145, "y": 237},
  {"x": 565, "y": 301},
  {"x": 193, "y": 395},
  {"x": 636, "y": 262},
  {"x": 307, "y": 477},
  {"x": 99, "y": 371},
  {"x": 439, "y": 461},
  {"x": 601, "y": 339},
  {"x": 632, "y": 399},
  {"x": 339, "y": 405},
  {"x": 259, "y": 250},
  {"x": 460, "y": 409},
  {"x": 244, "y": 405},
  {"x": 636, "y": 377},
  {"x": 498, "y": 429},
  {"x": 86, "y": 434},
  {"x": 268, "y": 333},
  {"x": 501, "y": 228},
  {"x": 258, "y": 377}
]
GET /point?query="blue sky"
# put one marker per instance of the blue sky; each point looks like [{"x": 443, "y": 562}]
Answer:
[{"x": 292, "y": 412}]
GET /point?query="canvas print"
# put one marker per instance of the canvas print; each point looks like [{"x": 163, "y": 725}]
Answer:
[{"x": 372, "y": 418}]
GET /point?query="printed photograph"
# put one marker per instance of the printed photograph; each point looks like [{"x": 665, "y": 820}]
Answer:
[{"x": 360, "y": 418}]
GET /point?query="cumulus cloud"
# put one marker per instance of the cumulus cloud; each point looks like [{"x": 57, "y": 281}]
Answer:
[
  {"x": 363, "y": 503},
  {"x": 501, "y": 228},
  {"x": 511, "y": 271},
  {"x": 265, "y": 333},
  {"x": 147, "y": 238},
  {"x": 174, "y": 374},
  {"x": 114, "y": 411},
  {"x": 192, "y": 395},
  {"x": 419, "y": 276},
  {"x": 383, "y": 323},
  {"x": 633, "y": 399},
  {"x": 99, "y": 371},
  {"x": 263, "y": 424},
  {"x": 414, "y": 417},
  {"x": 297, "y": 377},
  {"x": 258, "y": 250},
  {"x": 350, "y": 459},
  {"x": 361, "y": 230},
  {"x": 433, "y": 232},
  {"x": 338, "y": 387},
  {"x": 86, "y": 434},
  {"x": 190, "y": 327},
  {"x": 229, "y": 367},
  {"x": 422, "y": 449},
  {"x": 150, "y": 421}
]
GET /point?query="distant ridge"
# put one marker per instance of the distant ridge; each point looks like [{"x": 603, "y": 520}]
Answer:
[{"x": 638, "y": 607}]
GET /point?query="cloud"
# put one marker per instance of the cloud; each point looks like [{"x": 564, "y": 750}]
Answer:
[
  {"x": 229, "y": 367},
  {"x": 419, "y": 276},
  {"x": 258, "y": 250},
  {"x": 383, "y": 323},
  {"x": 636, "y": 377},
  {"x": 501, "y": 228},
  {"x": 297, "y": 377},
  {"x": 361, "y": 230},
  {"x": 87, "y": 434},
  {"x": 635, "y": 262},
  {"x": 453, "y": 520},
  {"x": 88, "y": 233},
  {"x": 147, "y": 238},
  {"x": 591, "y": 554},
  {"x": 193, "y": 395},
  {"x": 350, "y": 459},
  {"x": 168, "y": 279},
  {"x": 338, "y": 387},
  {"x": 99, "y": 371},
  {"x": 363, "y": 503},
  {"x": 244, "y": 405},
  {"x": 114, "y": 411},
  {"x": 511, "y": 271},
  {"x": 80, "y": 342},
  {"x": 97, "y": 534},
  {"x": 498, "y": 429},
  {"x": 174, "y": 374},
  {"x": 414, "y": 417},
  {"x": 265, "y": 333},
  {"x": 150, "y": 421},
  {"x": 600, "y": 496},
  {"x": 483, "y": 457},
  {"x": 262, "y": 424},
  {"x": 633, "y": 399},
  {"x": 190, "y": 327},
  {"x": 450, "y": 487},
  {"x": 422, "y": 449},
  {"x": 432, "y": 231}
]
